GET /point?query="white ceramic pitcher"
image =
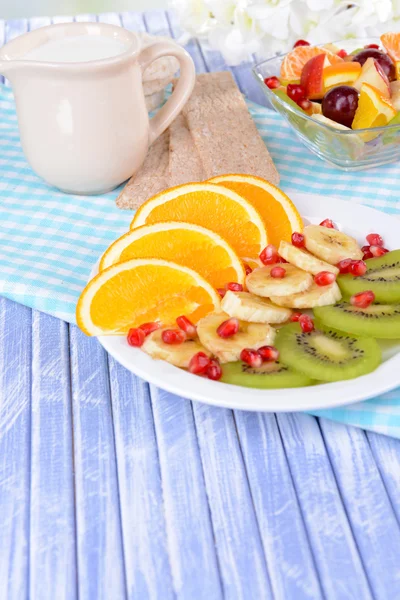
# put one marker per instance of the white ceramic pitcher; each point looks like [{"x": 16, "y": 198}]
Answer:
[{"x": 84, "y": 126}]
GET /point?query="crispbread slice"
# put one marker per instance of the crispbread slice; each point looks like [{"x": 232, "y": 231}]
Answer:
[{"x": 184, "y": 162}]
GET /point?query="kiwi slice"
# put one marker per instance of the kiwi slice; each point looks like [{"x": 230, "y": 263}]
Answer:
[
  {"x": 378, "y": 320},
  {"x": 271, "y": 375},
  {"x": 382, "y": 278},
  {"x": 325, "y": 354}
]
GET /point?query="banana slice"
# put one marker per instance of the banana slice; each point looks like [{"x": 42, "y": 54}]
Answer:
[
  {"x": 304, "y": 260},
  {"x": 261, "y": 283},
  {"x": 331, "y": 245},
  {"x": 178, "y": 355},
  {"x": 316, "y": 296},
  {"x": 253, "y": 309},
  {"x": 250, "y": 335}
]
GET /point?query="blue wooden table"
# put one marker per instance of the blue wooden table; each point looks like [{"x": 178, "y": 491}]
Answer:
[{"x": 113, "y": 489}]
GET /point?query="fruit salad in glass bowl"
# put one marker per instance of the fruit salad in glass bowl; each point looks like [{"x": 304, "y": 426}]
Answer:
[{"x": 342, "y": 99}]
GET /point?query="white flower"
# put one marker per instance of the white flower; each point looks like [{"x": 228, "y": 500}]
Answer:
[{"x": 239, "y": 28}]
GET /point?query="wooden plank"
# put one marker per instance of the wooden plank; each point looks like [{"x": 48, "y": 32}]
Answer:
[
  {"x": 330, "y": 536},
  {"x": 133, "y": 21},
  {"x": 15, "y": 440},
  {"x": 37, "y": 22},
  {"x": 110, "y": 18},
  {"x": 14, "y": 28},
  {"x": 62, "y": 19},
  {"x": 2, "y": 40},
  {"x": 52, "y": 519},
  {"x": 367, "y": 505},
  {"x": 156, "y": 22},
  {"x": 86, "y": 18},
  {"x": 142, "y": 513},
  {"x": 386, "y": 452},
  {"x": 190, "y": 538},
  {"x": 237, "y": 536},
  {"x": 99, "y": 539},
  {"x": 192, "y": 46},
  {"x": 287, "y": 550}
]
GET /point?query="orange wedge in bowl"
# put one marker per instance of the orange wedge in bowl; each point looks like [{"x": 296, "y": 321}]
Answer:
[
  {"x": 211, "y": 206},
  {"x": 373, "y": 110},
  {"x": 280, "y": 216},
  {"x": 391, "y": 43},
  {"x": 184, "y": 243},
  {"x": 139, "y": 291},
  {"x": 293, "y": 63}
]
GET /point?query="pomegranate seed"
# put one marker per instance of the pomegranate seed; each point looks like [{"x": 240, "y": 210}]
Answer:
[
  {"x": 295, "y": 91},
  {"x": 344, "y": 265},
  {"x": 378, "y": 251},
  {"x": 150, "y": 327},
  {"x": 221, "y": 292},
  {"x": 269, "y": 255},
  {"x": 328, "y": 223},
  {"x": 187, "y": 326},
  {"x": 306, "y": 323},
  {"x": 248, "y": 269},
  {"x": 272, "y": 82},
  {"x": 173, "y": 336},
  {"x": 357, "y": 268},
  {"x": 295, "y": 317},
  {"x": 278, "y": 272},
  {"x": 367, "y": 255},
  {"x": 376, "y": 46},
  {"x": 199, "y": 363},
  {"x": 304, "y": 103},
  {"x": 324, "y": 278},
  {"x": 251, "y": 357},
  {"x": 298, "y": 240},
  {"x": 374, "y": 239},
  {"x": 234, "y": 287},
  {"x": 268, "y": 353},
  {"x": 228, "y": 328},
  {"x": 214, "y": 370},
  {"x": 280, "y": 259},
  {"x": 365, "y": 248},
  {"x": 136, "y": 337},
  {"x": 342, "y": 53},
  {"x": 362, "y": 299},
  {"x": 301, "y": 43}
]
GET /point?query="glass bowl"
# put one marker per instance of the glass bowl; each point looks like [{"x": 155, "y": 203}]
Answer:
[{"x": 347, "y": 150}]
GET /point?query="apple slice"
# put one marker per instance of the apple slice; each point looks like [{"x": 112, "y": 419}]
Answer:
[
  {"x": 373, "y": 74},
  {"x": 395, "y": 94},
  {"x": 312, "y": 77},
  {"x": 344, "y": 73}
]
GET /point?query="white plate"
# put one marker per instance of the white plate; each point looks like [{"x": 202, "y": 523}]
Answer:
[{"x": 355, "y": 220}]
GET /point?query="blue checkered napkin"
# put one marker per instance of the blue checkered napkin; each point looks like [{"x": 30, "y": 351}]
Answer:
[{"x": 49, "y": 241}]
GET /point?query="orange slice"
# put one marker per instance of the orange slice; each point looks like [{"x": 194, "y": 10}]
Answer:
[
  {"x": 279, "y": 214},
  {"x": 140, "y": 291},
  {"x": 293, "y": 63},
  {"x": 373, "y": 109},
  {"x": 184, "y": 243},
  {"x": 210, "y": 206},
  {"x": 391, "y": 43}
]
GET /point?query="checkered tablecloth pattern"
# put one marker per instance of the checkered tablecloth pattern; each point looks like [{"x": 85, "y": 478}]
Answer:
[{"x": 49, "y": 241}]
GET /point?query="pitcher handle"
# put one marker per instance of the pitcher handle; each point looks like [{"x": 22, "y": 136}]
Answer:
[{"x": 184, "y": 88}]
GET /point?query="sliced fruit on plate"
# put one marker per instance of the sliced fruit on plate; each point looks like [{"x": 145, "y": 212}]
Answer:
[
  {"x": 178, "y": 355},
  {"x": 326, "y": 354},
  {"x": 251, "y": 308},
  {"x": 330, "y": 122},
  {"x": 271, "y": 375},
  {"x": 382, "y": 278},
  {"x": 302, "y": 259},
  {"x": 142, "y": 291},
  {"x": 376, "y": 320},
  {"x": 372, "y": 73},
  {"x": 294, "y": 61},
  {"x": 373, "y": 109},
  {"x": 341, "y": 73},
  {"x": 262, "y": 282},
  {"x": 212, "y": 206},
  {"x": 280, "y": 216},
  {"x": 316, "y": 295},
  {"x": 331, "y": 245},
  {"x": 391, "y": 43},
  {"x": 228, "y": 349},
  {"x": 312, "y": 77},
  {"x": 395, "y": 96},
  {"x": 184, "y": 243}
]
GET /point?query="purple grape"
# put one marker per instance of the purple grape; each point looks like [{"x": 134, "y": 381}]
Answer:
[
  {"x": 383, "y": 59},
  {"x": 340, "y": 104}
]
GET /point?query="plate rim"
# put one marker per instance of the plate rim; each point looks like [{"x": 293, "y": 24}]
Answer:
[{"x": 183, "y": 384}]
